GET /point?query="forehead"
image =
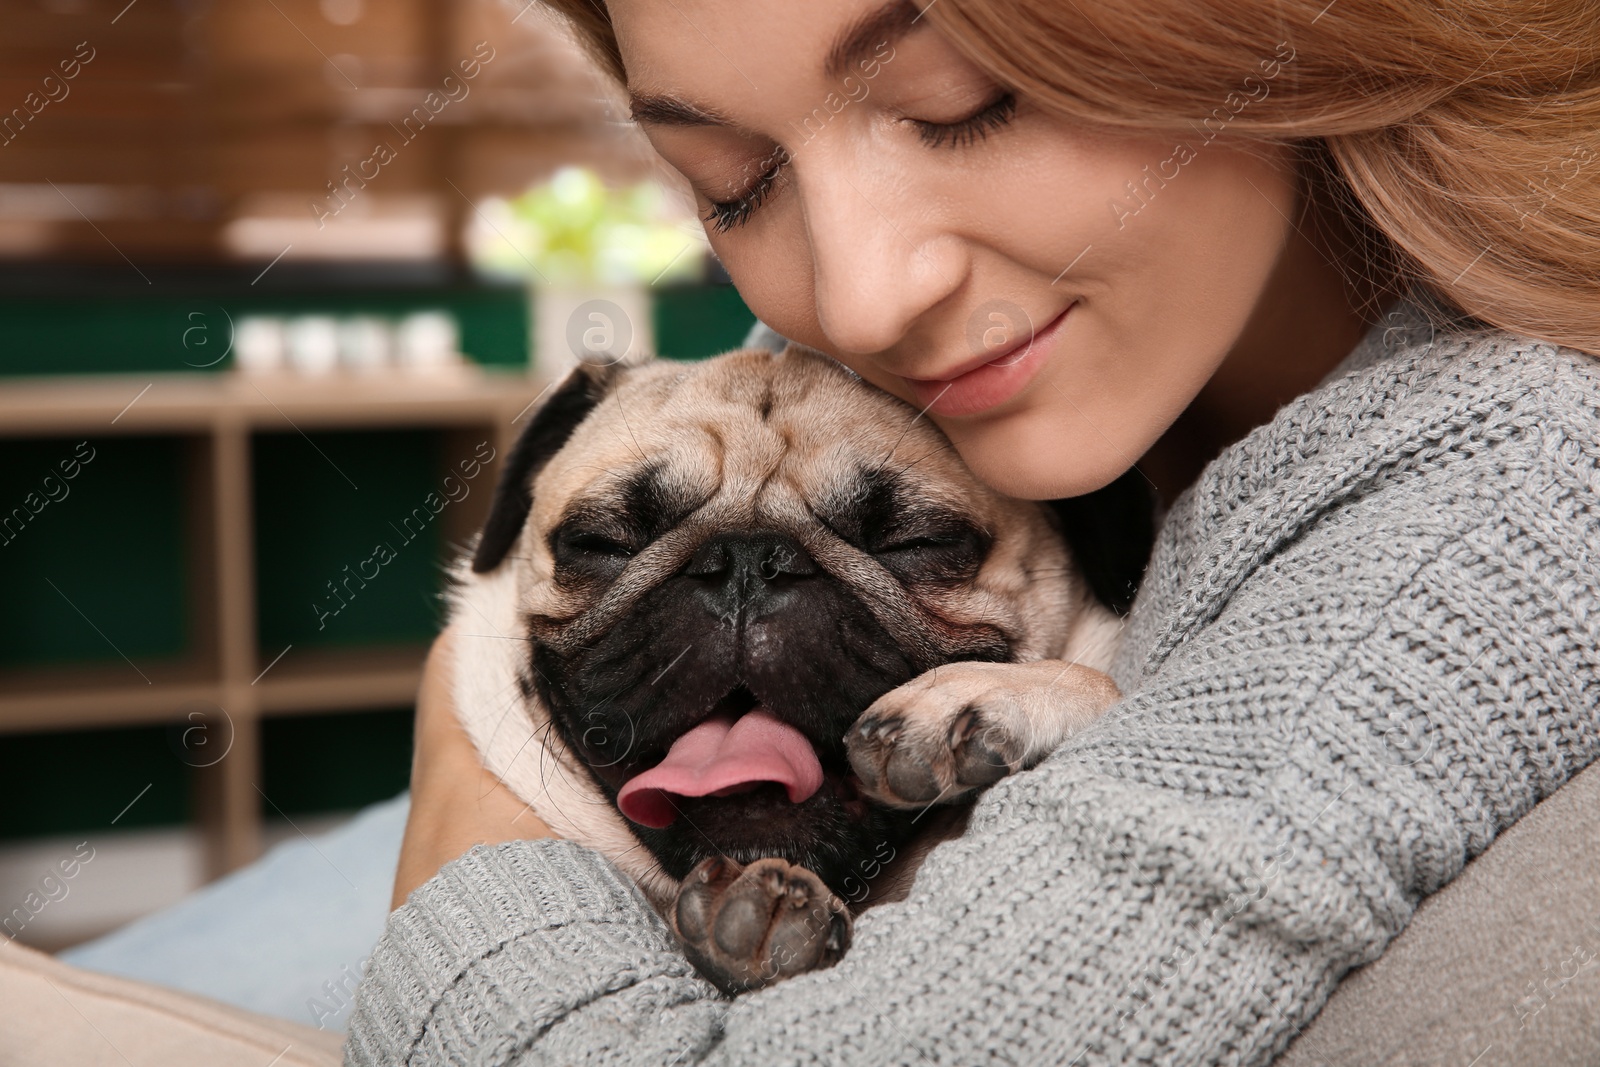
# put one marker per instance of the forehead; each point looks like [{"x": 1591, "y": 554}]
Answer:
[
  {"x": 747, "y": 424},
  {"x": 707, "y": 49}
]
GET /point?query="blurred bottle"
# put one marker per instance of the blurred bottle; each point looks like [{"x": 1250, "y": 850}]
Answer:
[
  {"x": 313, "y": 343},
  {"x": 429, "y": 340},
  {"x": 366, "y": 344},
  {"x": 259, "y": 345}
]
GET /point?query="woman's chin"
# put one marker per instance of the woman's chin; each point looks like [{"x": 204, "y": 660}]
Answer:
[{"x": 1038, "y": 465}]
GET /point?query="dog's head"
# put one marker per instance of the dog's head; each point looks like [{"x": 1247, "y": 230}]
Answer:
[{"x": 719, "y": 565}]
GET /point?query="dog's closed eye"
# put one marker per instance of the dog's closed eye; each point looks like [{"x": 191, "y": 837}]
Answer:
[
  {"x": 591, "y": 543},
  {"x": 595, "y": 555},
  {"x": 951, "y": 550}
]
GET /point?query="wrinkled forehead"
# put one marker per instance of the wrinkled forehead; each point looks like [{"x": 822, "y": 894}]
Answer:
[{"x": 752, "y": 434}]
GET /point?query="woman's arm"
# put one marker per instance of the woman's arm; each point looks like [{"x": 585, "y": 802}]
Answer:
[
  {"x": 455, "y": 802},
  {"x": 1185, "y": 882}
]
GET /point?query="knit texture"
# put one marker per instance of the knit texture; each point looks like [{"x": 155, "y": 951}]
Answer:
[{"x": 1368, "y": 641}]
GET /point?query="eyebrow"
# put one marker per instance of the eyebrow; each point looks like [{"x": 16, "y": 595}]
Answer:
[
  {"x": 662, "y": 110},
  {"x": 857, "y": 41}
]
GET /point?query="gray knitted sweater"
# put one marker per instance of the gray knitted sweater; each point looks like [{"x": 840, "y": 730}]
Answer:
[{"x": 1367, "y": 642}]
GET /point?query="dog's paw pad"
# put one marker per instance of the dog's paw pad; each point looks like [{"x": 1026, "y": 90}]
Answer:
[
  {"x": 983, "y": 752},
  {"x": 747, "y": 927},
  {"x": 909, "y": 775},
  {"x": 912, "y": 760}
]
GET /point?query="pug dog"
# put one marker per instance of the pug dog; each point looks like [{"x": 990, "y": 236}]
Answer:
[{"x": 750, "y": 628}]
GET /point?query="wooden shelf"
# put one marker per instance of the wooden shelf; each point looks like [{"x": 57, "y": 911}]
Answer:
[
  {"x": 219, "y": 415},
  {"x": 91, "y": 705},
  {"x": 336, "y": 679},
  {"x": 190, "y": 403},
  {"x": 315, "y": 680},
  {"x": 187, "y": 116}
]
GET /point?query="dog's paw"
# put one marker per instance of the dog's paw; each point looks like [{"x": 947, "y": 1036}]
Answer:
[
  {"x": 745, "y": 927},
  {"x": 964, "y": 726}
]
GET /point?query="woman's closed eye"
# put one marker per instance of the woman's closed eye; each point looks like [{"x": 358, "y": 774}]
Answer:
[
  {"x": 972, "y": 129},
  {"x": 726, "y": 214},
  {"x": 965, "y": 132}
]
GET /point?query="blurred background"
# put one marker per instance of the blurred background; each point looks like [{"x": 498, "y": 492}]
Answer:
[{"x": 279, "y": 282}]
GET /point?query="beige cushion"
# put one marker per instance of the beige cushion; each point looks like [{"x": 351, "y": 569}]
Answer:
[
  {"x": 1500, "y": 967},
  {"x": 52, "y": 1013}
]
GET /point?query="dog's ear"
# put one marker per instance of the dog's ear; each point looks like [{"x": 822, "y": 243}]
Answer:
[
  {"x": 548, "y": 429},
  {"x": 1111, "y": 532}
]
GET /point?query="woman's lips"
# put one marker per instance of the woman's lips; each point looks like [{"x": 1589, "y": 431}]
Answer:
[{"x": 991, "y": 382}]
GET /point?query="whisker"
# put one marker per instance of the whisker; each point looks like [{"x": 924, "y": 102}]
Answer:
[
  {"x": 942, "y": 448},
  {"x": 912, "y": 423},
  {"x": 621, "y": 411}
]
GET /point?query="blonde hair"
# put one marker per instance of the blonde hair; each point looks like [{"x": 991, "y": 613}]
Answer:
[{"x": 1460, "y": 143}]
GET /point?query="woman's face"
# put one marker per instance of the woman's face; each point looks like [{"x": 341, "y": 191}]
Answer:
[{"x": 892, "y": 206}]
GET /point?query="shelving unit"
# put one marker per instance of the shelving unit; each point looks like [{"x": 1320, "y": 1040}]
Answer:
[
  {"x": 151, "y": 204},
  {"x": 218, "y": 418}
]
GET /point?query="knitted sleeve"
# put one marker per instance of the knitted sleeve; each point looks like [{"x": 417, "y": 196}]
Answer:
[{"x": 1183, "y": 883}]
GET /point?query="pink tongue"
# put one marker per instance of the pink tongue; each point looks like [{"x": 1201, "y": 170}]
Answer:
[{"x": 718, "y": 757}]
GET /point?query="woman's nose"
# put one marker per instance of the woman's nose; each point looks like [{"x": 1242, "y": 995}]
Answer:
[{"x": 880, "y": 257}]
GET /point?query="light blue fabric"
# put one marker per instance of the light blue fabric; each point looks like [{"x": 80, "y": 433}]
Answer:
[
  {"x": 286, "y": 936},
  {"x": 763, "y": 336}
]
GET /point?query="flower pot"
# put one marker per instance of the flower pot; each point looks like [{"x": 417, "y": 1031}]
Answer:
[{"x": 596, "y": 324}]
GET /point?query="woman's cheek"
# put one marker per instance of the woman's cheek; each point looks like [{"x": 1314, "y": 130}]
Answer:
[{"x": 772, "y": 271}]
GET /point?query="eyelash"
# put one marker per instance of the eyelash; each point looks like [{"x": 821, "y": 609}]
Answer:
[
  {"x": 730, "y": 213},
  {"x": 973, "y": 128},
  {"x": 725, "y": 215}
]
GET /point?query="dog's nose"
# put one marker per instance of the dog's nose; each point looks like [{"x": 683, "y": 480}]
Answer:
[{"x": 748, "y": 573}]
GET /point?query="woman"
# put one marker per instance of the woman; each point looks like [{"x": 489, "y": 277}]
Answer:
[{"x": 1324, "y": 274}]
